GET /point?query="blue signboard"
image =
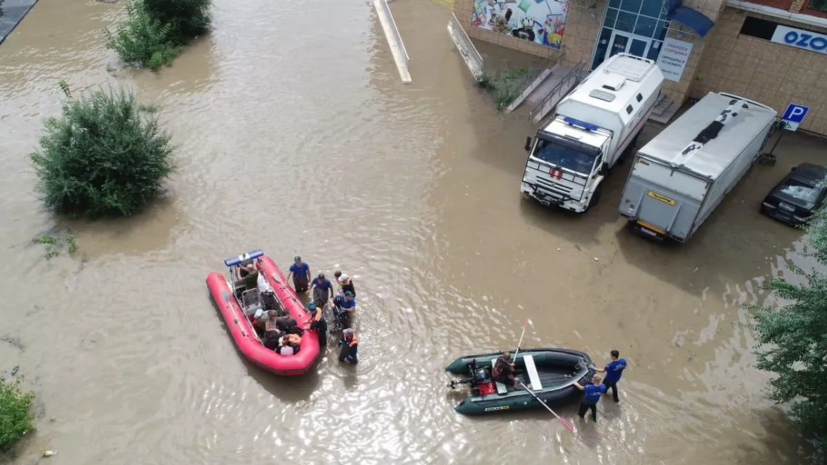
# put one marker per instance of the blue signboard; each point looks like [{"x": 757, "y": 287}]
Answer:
[{"x": 794, "y": 115}]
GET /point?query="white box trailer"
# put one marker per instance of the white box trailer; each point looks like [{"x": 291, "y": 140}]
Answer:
[
  {"x": 592, "y": 128},
  {"x": 681, "y": 175}
]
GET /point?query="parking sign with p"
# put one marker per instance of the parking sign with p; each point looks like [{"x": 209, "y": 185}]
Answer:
[{"x": 794, "y": 116}]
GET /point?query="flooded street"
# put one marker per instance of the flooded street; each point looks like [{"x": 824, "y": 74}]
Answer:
[{"x": 296, "y": 136}]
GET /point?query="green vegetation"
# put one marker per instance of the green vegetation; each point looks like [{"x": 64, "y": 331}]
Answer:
[
  {"x": 141, "y": 40},
  {"x": 792, "y": 343},
  {"x": 54, "y": 244},
  {"x": 507, "y": 85},
  {"x": 15, "y": 412},
  {"x": 105, "y": 156},
  {"x": 155, "y": 30}
]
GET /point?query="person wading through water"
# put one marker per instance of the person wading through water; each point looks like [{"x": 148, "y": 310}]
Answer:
[
  {"x": 349, "y": 345},
  {"x": 591, "y": 394},
  {"x": 300, "y": 272},
  {"x": 318, "y": 323},
  {"x": 322, "y": 290},
  {"x": 345, "y": 282},
  {"x": 614, "y": 370}
]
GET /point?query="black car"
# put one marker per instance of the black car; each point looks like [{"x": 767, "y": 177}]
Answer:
[{"x": 798, "y": 195}]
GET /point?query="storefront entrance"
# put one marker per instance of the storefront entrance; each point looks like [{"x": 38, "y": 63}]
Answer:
[
  {"x": 637, "y": 27},
  {"x": 622, "y": 42}
]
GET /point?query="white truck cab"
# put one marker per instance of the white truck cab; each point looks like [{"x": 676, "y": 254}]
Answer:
[{"x": 592, "y": 128}]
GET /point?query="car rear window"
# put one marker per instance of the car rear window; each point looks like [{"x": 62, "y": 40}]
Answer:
[{"x": 799, "y": 190}]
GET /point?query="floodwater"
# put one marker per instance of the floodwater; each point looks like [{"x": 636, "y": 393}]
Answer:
[{"x": 297, "y": 137}]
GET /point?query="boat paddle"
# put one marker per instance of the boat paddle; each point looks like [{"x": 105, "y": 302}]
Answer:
[
  {"x": 527, "y": 322},
  {"x": 563, "y": 421}
]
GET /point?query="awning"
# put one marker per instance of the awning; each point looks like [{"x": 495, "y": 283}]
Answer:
[{"x": 691, "y": 18}]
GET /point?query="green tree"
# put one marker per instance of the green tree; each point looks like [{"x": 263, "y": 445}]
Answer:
[
  {"x": 792, "y": 343},
  {"x": 15, "y": 412},
  {"x": 104, "y": 156}
]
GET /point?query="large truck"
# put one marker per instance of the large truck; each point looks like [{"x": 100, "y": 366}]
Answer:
[
  {"x": 681, "y": 175},
  {"x": 592, "y": 129}
]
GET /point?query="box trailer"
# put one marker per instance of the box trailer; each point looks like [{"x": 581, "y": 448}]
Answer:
[
  {"x": 593, "y": 127},
  {"x": 681, "y": 175}
]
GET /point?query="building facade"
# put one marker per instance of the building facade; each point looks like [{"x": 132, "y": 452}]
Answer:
[{"x": 770, "y": 51}]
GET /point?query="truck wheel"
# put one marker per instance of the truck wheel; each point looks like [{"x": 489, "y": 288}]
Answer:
[{"x": 595, "y": 197}]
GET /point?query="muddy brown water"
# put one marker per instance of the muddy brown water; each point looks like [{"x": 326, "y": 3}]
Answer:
[{"x": 296, "y": 136}]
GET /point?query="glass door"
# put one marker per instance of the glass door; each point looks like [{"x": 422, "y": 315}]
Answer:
[
  {"x": 628, "y": 43},
  {"x": 619, "y": 43}
]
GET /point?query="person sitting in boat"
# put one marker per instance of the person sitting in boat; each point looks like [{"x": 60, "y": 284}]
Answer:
[
  {"x": 350, "y": 345},
  {"x": 272, "y": 334},
  {"x": 345, "y": 282},
  {"x": 504, "y": 370},
  {"x": 287, "y": 324},
  {"x": 322, "y": 290},
  {"x": 250, "y": 277},
  {"x": 300, "y": 272},
  {"x": 318, "y": 323},
  {"x": 290, "y": 343},
  {"x": 346, "y": 302}
]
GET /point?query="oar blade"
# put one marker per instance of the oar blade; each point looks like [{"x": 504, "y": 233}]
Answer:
[{"x": 567, "y": 424}]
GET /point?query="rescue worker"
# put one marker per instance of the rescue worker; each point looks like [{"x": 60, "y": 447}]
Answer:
[
  {"x": 591, "y": 394},
  {"x": 614, "y": 370},
  {"x": 503, "y": 371},
  {"x": 345, "y": 282},
  {"x": 322, "y": 290},
  {"x": 249, "y": 279},
  {"x": 318, "y": 323},
  {"x": 347, "y": 303},
  {"x": 300, "y": 272},
  {"x": 349, "y": 345}
]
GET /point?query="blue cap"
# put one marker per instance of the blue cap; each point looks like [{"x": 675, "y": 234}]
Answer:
[{"x": 348, "y": 294}]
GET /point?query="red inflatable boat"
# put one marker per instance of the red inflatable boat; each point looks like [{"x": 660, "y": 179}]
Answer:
[{"x": 240, "y": 325}]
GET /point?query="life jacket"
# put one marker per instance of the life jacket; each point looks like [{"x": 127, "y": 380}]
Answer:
[{"x": 352, "y": 341}]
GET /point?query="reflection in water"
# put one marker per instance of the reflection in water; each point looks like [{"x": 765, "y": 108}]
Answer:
[{"x": 295, "y": 136}]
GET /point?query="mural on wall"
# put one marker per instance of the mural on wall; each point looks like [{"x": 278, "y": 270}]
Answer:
[{"x": 538, "y": 21}]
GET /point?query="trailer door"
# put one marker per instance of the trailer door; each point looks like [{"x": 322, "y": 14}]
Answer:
[{"x": 656, "y": 210}]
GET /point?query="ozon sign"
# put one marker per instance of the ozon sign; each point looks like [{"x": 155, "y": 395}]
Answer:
[{"x": 801, "y": 39}]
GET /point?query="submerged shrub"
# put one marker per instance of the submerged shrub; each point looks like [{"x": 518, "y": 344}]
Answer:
[
  {"x": 15, "y": 412},
  {"x": 104, "y": 156},
  {"x": 188, "y": 18},
  {"x": 142, "y": 40}
]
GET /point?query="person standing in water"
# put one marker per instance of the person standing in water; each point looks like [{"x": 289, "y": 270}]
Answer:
[
  {"x": 322, "y": 290},
  {"x": 318, "y": 323},
  {"x": 591, "y": 394},
  {"x": 300, "y": 272},
  {"x": 349, "y": 345},
  {"x": 345, "y": 282},
  {"x": 613, "y": 371}
]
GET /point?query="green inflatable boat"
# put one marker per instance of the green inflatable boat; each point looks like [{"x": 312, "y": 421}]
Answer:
[{"x": 549, "y": 373}]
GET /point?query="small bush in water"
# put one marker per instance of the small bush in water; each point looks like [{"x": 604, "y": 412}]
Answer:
[
  {"x": 104, "y": 156},
  {"x": 15, "y": 412},
  {"x": 188, "y": 18},
  {"x": 142, "y": 40}
]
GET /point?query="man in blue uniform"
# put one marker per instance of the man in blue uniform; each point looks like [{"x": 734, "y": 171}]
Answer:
[
  {"x": 347, "y": 303},
  {"x": 300, "y": 272},
  {"x": 614, "y": 370},
  {"x": 591, "y": 394}
]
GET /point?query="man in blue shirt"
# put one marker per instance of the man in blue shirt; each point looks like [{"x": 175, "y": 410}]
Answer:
[
  {"x": 614, "y": 370},
  {"x": 322, "y": 290},
  {"x": 301, "y": 275},
  {"x": 591, "y": 394},
  {"x": 347, "y": 304}
]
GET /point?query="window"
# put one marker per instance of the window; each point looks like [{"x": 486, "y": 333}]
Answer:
[
  {"x": 820, "y": 5},
  {"x": 760, "y": 28},
  {"x": 632, "y": 26},
  {"x": 629, "y": 109},
  {"x": 639, "y": 97}
]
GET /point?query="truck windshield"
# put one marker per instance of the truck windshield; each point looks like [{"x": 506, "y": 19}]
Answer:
[{"x": 564, "y": 154}]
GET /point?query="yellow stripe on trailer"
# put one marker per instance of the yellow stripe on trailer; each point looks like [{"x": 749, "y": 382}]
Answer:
[{"x": 660, "y": 197}]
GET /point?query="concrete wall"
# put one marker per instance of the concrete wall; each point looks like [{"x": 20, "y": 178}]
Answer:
[{"x": 758, "y": 69}]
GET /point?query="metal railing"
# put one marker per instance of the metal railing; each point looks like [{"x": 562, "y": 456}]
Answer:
[
  {"x": 469, "y": 52},
  {"x": 394, "y": 39},
  {"x": 532, "y": 81},
  {"x": 574, "y": 77}
]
